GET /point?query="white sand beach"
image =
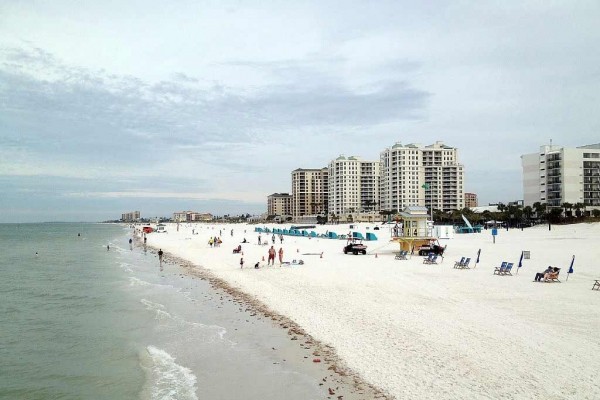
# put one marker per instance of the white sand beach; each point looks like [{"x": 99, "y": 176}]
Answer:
[{"x": 430, "y": 331}]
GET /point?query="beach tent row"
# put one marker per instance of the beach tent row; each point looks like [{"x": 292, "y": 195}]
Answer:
[{"x": 313, "y": 234}]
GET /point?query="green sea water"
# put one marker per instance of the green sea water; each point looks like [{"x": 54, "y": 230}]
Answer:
[
  {"x": 67, "y": 328},
  {"x": 80, "y": 321}
]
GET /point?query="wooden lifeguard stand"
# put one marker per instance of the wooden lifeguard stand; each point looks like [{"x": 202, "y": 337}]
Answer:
[{"x": 412, "y": 230}]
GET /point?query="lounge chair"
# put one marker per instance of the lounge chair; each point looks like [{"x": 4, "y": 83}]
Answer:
[
  {"x": 458, "y": 263},
  {"x": 431, "y": 259},
  {"x": 553, "y": 276},
  {"x": 500, "y": 270},
  {"x": 402, "y": 255},
  {"x": 596, "y": 285},
  {"x": 464, "y": 264}
]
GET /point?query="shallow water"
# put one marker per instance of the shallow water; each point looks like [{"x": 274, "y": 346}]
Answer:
[{"x": 80, "y": 321}]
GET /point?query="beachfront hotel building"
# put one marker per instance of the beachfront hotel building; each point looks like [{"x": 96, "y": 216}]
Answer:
[
  {"x": 556, "y": 175},
  {"x": 191, "y": 216},
  {"x": 470, "y": 200},
  {"x": 133, "y": 216},
  {"x": 417, "y": 175},
  {"x": 309, "y": 192},
  {"x": 279, "y": 204},
  {"x": 353, "y": 185}
]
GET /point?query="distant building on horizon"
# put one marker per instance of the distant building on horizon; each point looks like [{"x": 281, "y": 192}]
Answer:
[
  {"x": 133, "y": 216},
  {"x": 353, "y": 186},
  {"x": 309, "y": 192},
  {"x": 279, "y": 204},
  {"x": 556, "y": 175},
  {"x": 471, "y": 200},
  {"x": 191, "y": 216},
  {"x": 417, "y": 175}
]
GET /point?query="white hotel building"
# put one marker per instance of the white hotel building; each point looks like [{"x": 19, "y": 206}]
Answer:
[
  {"x": 353, "y": 185},
  {"x": 557, "y": 175},
  {"x": 417, "y": 175}
]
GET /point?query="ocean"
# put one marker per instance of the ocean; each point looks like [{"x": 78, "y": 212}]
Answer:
[{"x": 81, "y": 321}]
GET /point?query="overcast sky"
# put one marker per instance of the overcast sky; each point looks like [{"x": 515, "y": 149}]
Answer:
[{"x": 114, "y": 106}]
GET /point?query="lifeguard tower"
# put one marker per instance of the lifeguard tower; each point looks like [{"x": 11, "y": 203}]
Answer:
[{"x": 412, "y": 229}]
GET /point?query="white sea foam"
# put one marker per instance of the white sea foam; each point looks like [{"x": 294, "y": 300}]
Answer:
[
  {"x": 211, "y": 331},
  {"x": 133, "y": 281},
  {"x": 158, "y": 308},
  {"x": 169, "y": 379}
]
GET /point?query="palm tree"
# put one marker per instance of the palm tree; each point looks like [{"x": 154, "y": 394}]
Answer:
[
  {"x": 567, "y": 207},
  {"x": 578, "y": 207}
]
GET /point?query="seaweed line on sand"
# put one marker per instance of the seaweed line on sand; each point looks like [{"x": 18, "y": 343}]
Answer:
[{"x": 327, "y": 353}]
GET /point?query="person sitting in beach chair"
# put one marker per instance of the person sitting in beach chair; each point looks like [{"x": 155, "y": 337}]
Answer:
[
  {"x": 540, "y": 275},
  {"x": 237, "y": 249},
  {"x": 552, "y": 276},
  {"x": 402, "y": 255}
]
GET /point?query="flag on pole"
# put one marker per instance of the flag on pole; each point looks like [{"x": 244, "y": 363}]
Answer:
[{"x": 570, "y": 268}]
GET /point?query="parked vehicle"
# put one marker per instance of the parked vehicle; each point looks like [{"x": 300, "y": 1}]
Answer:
[
  {"x": 434, "y": 248},
  {"x": 355, "y": 246}
]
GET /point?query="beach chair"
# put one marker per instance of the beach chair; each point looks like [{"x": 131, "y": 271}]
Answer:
[
  {"x": 500, "y": 270},
  {"x": 431, "y": 259},
  {"x": 237, "y": 249},
  {"x": 464, "y": 264},
  {"x": 596, "y": 285},
  {"x": 507, "y": 269},
  {"x": 402, "y": 255},
  {"x": 457, "y": 264},
  {"x": 553, "y": 276}
]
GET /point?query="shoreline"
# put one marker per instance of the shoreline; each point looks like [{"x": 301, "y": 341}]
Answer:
[
  {"x": 347, "y": 384},
  {"x": 417, "y": 330}
]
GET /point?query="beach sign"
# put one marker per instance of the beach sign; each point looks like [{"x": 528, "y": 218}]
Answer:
[{"x": 494, "y": 233}]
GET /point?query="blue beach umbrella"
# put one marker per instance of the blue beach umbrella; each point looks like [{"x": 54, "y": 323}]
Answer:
[{"x": 570, "y": 268}]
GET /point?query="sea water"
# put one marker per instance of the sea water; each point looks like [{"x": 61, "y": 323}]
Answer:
[{"x": 86, "y": 315}]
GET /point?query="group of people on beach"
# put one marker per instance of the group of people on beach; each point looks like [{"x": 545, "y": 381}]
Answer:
[
  {"x": 216, "y": 241},
  {"x": 270, "y": 258}
]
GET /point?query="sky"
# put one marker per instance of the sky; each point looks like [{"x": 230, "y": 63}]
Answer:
[{"x": 114, "y": 106}]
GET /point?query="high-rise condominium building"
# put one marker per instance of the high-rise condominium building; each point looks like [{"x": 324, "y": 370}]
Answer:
[
  {"x": 130, "y": 216},
  {"x": 557, "y": 175},
  {"x": 416, "y": 175},
  {"x": 471, "y": 200},
  {"x": 309, "y": 192},
  {"x": 353, "y": 185},
  {"x": 279, "y": 204}
]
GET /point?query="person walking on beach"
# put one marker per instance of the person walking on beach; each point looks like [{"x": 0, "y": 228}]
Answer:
[
  {"x": 241, "y": 262},
  {"x": 160, "y": 257},
  {"x": 259, "y": 240},
  {"x": 280, "y": 256},
  {"x": 281, "y": 239},
  {"x": 273, "y": 238},
  {"x": 271, "y": 256}
]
